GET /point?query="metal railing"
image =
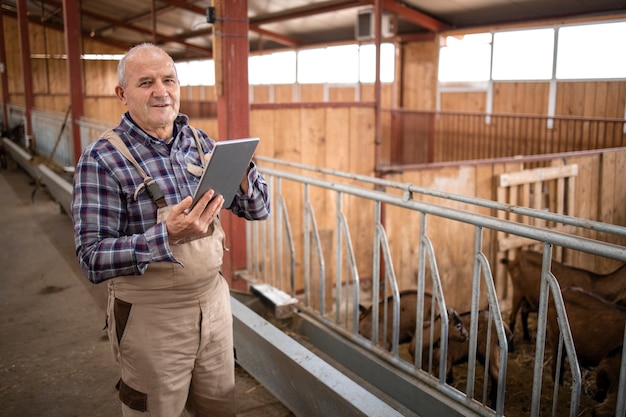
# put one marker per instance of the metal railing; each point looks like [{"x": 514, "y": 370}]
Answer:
[
  {"x": 52, "y": 133},
  {"x": 421, "y": 137},
  {"x": 269, "y": 261}
]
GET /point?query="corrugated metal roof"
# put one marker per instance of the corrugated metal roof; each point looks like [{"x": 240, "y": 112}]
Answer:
[{"x": 181, "y": 27}]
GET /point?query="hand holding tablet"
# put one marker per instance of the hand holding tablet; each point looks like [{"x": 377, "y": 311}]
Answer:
[{"x": 226, "y": 167}]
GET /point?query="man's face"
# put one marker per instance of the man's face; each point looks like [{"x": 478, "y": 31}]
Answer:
[{"x": 152, "y": 91}]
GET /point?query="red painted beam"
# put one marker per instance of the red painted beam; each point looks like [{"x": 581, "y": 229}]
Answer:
[
  {"x": 412, "y": 15},
  {"x": 4, "y": 78},
  {"x": 306, "y": 11},
  {"x": 230, "y": 50},
  {"x": 203, "y": 51},
  {"x": 22, "y": 22},
  {"x": 73, "y": 39}
]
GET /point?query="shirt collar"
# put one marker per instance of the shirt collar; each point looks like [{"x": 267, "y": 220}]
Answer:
[{"x": 139, "y": 134}]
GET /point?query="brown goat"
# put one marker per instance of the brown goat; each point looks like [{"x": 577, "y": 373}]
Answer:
[
  {"x": 525, "y": 272},
  {"x": 458, "y": 351},
  {"x": 607, "y": 383},
  {"x": 597, "y": 326},
  {"x": 457, "y": 332},
  {"x": 408, "y": 316}
]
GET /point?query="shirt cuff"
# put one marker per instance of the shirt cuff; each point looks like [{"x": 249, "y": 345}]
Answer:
[{"x": 158, "y": 244}]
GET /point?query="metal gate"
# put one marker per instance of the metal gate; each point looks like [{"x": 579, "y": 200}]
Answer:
[{"x": 282, "y": 248}]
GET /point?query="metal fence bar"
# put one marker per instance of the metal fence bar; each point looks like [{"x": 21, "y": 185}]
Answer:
[
  {"x": 620, "y": 408},
  {"x": 482, "y": 265}
]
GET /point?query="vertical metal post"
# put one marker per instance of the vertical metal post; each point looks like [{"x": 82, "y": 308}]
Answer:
[
  {"x": 4, "y": 78},
  {"x": 71, "y": 20},
  {"x": 230, "y": 40},
  {"x": 22, "y": 22}
]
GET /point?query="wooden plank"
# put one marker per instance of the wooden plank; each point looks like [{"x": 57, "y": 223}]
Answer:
[
  {"x": 262, "y": 124},
  {"x": 454, "y": 269},
  {"x": 538, "y": 174},
  {"x": 342, "y": 94},
  {"x": 419, "y": 75},
  {"x": 361, "y": 161},
  {"x": 311, "y": 93},
  {"x": 313, "y": 137},
  {"x": 582, "y": 208},
  {"x": 619, "y": 201},
  {"x": 402, "y": 230},
  {"x": 283, "y": 93},
  {"x": 607, "y": 179},
  {"x": 559, "y": 204},
  {"x": 260, "y": 94},
  {"x": 608, "y": 207},
  {"x": 600, "y": 104},
  {"x": 103, "y": 78}
]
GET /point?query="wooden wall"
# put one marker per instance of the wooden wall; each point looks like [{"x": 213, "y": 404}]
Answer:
[
  {"x": 599, "y": 196},
  {"x": 49, "y": 76},
  {"x": 341, "y": 135},
  {"x": 573, "y": 98},
  {"x": 597, "y": 191}
]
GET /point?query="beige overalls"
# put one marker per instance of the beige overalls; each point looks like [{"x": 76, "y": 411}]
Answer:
[{"x": 171, "y": 331}]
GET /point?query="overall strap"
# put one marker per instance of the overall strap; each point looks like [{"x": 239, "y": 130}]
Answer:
[
  {"x": 198, "y": 145},
  {"x": 149, "y": 183}
]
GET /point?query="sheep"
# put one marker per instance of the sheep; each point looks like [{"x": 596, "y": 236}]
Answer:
[
  {"x": 408, "y": 316},
  {"x": 597, "y": 326},
  {"x": 525, "y": 272},
  {"x": 458, "y": 351},
  {"x": 607, "y": 383}
]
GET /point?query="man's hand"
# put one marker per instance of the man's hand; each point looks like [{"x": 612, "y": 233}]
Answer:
[{"x": 184, "y": 223}]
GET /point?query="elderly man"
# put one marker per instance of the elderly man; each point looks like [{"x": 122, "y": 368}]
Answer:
[{"x": 169, "y": 318}]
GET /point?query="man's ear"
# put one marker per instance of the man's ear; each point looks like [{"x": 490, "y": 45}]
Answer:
[{"x": 120, "y": 93}]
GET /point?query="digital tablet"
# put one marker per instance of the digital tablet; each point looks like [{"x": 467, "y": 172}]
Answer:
[{"x": 226, "y": 168}]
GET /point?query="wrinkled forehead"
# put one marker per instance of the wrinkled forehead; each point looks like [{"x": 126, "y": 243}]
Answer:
[{"x": 150, "y": 62}]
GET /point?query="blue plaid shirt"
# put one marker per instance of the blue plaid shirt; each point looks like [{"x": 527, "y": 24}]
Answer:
[{"x": 116, "y": 235}]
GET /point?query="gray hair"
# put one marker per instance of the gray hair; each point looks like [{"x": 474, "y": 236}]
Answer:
[{"x": 121, "y": 67}]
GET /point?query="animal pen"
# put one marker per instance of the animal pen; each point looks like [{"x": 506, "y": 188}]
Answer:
[
  {"x": 336, "y": 282},
  {"x": 375, "y": 193},
  {"x": 337, "y": 240}
]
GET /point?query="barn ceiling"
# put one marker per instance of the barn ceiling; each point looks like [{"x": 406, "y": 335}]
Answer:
[{"x": 181, "y": 27}]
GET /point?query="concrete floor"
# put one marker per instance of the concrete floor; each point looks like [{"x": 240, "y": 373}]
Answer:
[{"x": 55, "y": 359}]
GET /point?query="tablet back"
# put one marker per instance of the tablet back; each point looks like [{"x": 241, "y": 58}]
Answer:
[{"x": 226, "y": 168}]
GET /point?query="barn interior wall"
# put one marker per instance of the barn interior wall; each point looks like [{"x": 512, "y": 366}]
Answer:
[
  {"x": 342, "y": 137},
  {"x": 598, "y": 196}
]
